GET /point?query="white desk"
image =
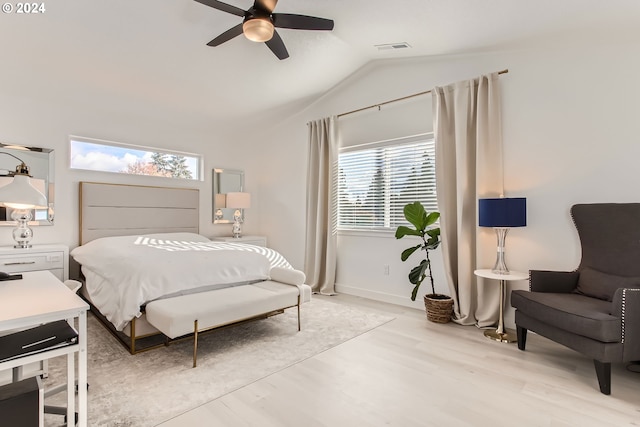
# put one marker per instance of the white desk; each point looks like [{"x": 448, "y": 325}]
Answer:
[
  {"x": 501, "y": 334},
  {"x": 41, "y": 298}
]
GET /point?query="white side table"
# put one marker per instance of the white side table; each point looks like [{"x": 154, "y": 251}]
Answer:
[
  {"x": 54, "y": 258},
  {"x": 501, "y": 333}
]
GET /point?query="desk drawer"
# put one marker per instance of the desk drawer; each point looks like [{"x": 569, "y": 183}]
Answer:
[{"x": 32, "y": 262}]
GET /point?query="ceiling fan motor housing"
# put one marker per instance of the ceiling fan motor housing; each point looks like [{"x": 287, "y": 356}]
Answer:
[{"x": 259, "y": 23}]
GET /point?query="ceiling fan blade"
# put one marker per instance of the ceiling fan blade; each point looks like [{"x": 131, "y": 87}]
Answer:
[
  {"x": 301, "y": 22},
  {"x": 277, "y": 46},
  {"x": 226, "y": 36},
  {"x": 223, "y": 7},
  {"x": 267, "y": 5}
]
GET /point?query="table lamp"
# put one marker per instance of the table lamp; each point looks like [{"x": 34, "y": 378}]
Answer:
[
  {"x": 238, "y": 201},
  {"x": 21, "y": 196},
  {"x": 220, "y": 202},
  {"x": 502, "y": 214}
]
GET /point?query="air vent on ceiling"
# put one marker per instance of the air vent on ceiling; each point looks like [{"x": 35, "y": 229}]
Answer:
[{"x": 393, "y": 46}]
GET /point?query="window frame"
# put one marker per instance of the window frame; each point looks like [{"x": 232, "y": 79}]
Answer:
[
  {"x": 377, "y": 231},
  {"x": 198, "y": 176}
]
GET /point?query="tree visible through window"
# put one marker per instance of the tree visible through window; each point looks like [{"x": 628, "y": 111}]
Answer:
[
  {"x": 376, "y": 182},
  {"x": 114, "y": 157},
  {"x": 161, "y": 165}
]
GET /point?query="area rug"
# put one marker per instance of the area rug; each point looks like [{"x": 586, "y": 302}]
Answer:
[{"x": 149, "y": 388}]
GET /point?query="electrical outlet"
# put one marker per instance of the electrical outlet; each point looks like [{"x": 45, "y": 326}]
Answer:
[{"x": 386, "y": 269}]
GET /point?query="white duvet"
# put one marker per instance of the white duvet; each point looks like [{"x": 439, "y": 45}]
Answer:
[{"x": 123, "y": 273}]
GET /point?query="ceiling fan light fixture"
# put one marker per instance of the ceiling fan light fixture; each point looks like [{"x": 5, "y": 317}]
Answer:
[
  {"x": 259, "y": 23},
  {"x": 258, "y": 29}
]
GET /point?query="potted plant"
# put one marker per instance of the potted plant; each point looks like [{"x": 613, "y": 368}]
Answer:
[{"x": 439, "y": 307}]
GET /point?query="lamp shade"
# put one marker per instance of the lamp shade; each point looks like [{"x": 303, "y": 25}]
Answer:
[
  {"x": 238, "y": 200},
  {"x": 502, "y": 212},
  {"x": 221, "y": 201},
  {"x": 21, "y": 194}
]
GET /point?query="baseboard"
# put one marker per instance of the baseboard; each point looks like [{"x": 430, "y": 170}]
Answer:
[{"x": 379, "y": 296}]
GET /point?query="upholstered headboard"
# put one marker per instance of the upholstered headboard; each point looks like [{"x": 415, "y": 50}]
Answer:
[{"x": 122, "y": 210}]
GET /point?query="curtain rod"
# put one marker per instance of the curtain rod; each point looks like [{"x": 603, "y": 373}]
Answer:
[{"x": 396, "y": 100}]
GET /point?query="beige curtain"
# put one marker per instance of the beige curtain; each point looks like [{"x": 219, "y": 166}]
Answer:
[
  {"x": 468, "y": 136},
  {"x": 321, "y": 227}
]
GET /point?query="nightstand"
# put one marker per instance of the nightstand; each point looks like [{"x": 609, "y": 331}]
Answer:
[
  {"x": 54, "y": 258},
  {"x": 250, "y": 240}
]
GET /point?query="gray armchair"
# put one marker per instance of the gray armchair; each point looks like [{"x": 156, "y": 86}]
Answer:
[{"x": 595, "y": 309}]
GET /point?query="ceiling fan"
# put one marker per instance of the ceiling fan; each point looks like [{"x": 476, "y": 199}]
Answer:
[{"x": 259, "y": 24}]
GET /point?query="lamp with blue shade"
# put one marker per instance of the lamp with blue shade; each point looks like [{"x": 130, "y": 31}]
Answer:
[{"x": 502, "y": 214}]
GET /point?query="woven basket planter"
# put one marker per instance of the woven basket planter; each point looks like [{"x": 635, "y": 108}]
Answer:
[{"x": 439, "y": 308}]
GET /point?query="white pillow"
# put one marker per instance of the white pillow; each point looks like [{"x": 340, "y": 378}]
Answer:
[{"x": 184, "y": 237}]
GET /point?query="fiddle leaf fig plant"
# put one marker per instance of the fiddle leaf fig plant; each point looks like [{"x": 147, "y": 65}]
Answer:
[{"x": 421, "y": 220}]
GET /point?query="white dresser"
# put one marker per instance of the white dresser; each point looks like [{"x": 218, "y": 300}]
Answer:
[
  {"x": 249, "y": 240},
  {"x": 54, "y": 258}
]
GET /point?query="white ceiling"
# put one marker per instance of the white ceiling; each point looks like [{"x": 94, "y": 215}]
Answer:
[{"x": 137, "y": 55}]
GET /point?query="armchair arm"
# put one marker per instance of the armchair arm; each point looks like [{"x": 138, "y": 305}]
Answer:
[
  {"x": 626, "y": 305},
  {"x": 553, "y": 281}
]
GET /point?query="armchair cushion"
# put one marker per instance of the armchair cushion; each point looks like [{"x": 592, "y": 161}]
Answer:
[
  {"x": 596, "y": 284},
  {"x": 578, "y": 314},
  {"x": 553, "y": 281}
]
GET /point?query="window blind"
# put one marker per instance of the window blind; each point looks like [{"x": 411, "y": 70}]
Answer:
[{"x": 376, "y": 182}]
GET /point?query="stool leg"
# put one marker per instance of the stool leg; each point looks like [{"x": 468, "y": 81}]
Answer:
[{"x": 195, "y": 342}]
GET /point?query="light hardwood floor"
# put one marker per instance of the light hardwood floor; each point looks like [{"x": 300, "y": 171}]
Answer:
[{"x": 410, "y": 372}]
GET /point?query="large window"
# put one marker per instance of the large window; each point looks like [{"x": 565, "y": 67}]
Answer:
[
  {"x": 376, "y": 181},
  {"x": 106, "y": 156}
]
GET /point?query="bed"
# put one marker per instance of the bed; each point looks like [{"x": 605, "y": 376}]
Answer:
[{"x": 140, "y": 244}]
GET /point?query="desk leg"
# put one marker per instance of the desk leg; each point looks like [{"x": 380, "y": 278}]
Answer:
[
  {"x": 82, "y": 370},
  {"x": 71, "y": 395},
  {"x": 501, "y": 333}
]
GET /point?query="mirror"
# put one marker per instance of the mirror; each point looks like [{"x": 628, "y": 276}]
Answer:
[
  {"x": 225, "y": 181},
  {"x": 40, "y": 162}
]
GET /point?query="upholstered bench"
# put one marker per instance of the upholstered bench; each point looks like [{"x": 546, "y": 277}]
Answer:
[{"x": 199, "y": 312}]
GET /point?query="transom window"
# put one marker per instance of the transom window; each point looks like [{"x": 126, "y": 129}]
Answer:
[
  {"x": 107, "y": 156},
  {"x": 375, "y": 181}
]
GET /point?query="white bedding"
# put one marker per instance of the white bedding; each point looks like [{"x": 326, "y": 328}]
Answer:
[{"x": 125, "y": 272}]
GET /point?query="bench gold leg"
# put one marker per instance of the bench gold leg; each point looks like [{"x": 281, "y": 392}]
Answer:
[
  {"x": 298, "y": 313},
  {"x": 195, "y": 342},
  {"x": 132, "y": 332}
]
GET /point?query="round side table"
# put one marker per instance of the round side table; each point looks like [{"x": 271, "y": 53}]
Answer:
[{"x": 501, "y": 333}]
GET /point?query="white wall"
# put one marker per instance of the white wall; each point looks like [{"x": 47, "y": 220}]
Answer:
[
  {"x": 570, "y": 135},
  {"x": 30, "y": 121}
]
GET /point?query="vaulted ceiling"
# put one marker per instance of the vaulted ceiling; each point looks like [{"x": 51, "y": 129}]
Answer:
[{"x": 133, "y": 55}]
